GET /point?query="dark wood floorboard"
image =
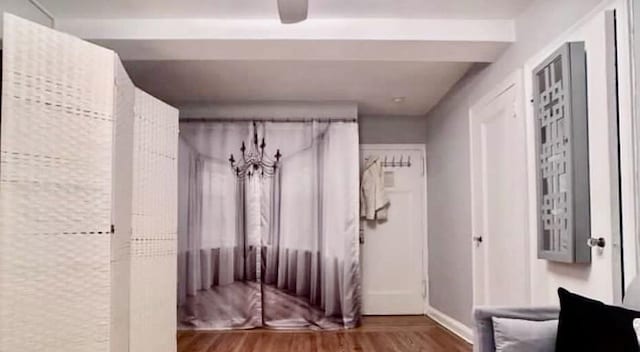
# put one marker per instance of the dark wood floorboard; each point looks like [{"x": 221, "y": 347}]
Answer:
[{"x": 377, "y": 334}]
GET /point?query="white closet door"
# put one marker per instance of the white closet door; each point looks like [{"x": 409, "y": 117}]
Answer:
[
  {"x": 55, "y": 191},
  {"x": 154, "y": 241},
  {"x": 392, "y": 255}
]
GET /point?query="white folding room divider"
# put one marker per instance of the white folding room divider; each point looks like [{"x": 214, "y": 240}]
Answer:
[
  {"x": 55, "y": 191},
  {"x": 122, "y": 213},
  {"x": 154, "y": 240},
  {"x": 87, "y": 200}
]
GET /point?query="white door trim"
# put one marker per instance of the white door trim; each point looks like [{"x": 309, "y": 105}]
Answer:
[
  {"x": 629, "y": 97},
  {"x": 514, "y": 80},
  {"x": 425, "y": 237},
  {"x": 634, "y": 33}
]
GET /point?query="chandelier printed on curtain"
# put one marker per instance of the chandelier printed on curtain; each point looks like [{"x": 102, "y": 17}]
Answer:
[{"x": 255, "y": 160}]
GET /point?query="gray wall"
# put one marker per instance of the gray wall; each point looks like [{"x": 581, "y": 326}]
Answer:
[
  {"x": 447, "y": 136},
  {"x": 449, "y": 211},
  {"x": 392, "y": 129}
]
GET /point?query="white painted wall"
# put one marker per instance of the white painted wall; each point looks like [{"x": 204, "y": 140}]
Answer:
[
  {"x": 448, "y": 157},
  {"x": 24, "y": 9}
]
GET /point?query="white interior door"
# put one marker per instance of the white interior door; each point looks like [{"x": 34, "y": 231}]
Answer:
[
  {"x": 499, "y": 198},
  {"x": 393, "y": 279}
]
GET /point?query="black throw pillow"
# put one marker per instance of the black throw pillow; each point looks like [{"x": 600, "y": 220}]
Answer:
[{"x": 588, "y": 325}]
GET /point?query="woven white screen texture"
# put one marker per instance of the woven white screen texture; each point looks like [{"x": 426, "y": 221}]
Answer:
[
  {"x": 153, "y": 244},
  {"x": 55, "y": 191},
  {"x": 122, "y": 189}
]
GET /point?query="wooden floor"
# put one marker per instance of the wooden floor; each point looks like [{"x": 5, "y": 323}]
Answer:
[{"x": 377, "y": 334}]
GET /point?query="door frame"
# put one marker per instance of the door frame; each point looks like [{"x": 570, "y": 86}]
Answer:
[
  {"x": 628, "y": 111},
  {"x": 515, "y": 81},
  {"x": 421, "y": 147},
  {"x": 619, "y": 16},
  {"x": 631, "y": 237}
]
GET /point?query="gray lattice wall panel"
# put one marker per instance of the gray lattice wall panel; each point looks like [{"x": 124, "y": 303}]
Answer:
[{"x": 562, "y": 156}]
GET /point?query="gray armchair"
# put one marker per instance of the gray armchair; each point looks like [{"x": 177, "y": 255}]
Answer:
[{"x": 483, "y": 324}]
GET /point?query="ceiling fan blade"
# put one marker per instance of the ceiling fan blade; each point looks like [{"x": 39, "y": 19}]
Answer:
[{"x": 292, "y": 11}]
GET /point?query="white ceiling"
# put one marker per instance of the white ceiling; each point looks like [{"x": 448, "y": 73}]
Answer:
[
  {"x": 237, "y": 51},
  {"x": 371, "y": 84},
  {"x": 484, "y": 9}
]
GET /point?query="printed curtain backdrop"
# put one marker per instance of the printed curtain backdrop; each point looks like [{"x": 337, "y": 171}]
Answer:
[{"x": 276, "y": 251}]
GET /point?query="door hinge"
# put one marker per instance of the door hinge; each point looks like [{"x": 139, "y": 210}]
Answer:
[
  {"x": 424, "y": 288},
  {"x": 113, "y": 228}
]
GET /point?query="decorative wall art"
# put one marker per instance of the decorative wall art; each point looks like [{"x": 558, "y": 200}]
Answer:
[{"x": 560, "y": 106}]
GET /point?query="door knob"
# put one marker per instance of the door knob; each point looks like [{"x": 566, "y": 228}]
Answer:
[
  {"x": 477, "y": 240},
  {"x": 596, "y": 242}
]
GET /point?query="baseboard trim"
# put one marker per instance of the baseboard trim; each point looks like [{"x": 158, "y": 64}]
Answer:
[{"x": 456, "y": 327}]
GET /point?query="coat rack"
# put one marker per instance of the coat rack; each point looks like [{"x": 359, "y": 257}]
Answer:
[{"x": 396, "y": 162}]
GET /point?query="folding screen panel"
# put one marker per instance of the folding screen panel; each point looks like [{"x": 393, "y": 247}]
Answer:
[
  {"x": 55, "y": 191},
  {"x": 154, "y": 240},
  {"x": 124, "y": 98}
]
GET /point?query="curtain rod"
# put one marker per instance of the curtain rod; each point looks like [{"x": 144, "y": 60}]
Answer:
[{"x": 188, "y": 120}]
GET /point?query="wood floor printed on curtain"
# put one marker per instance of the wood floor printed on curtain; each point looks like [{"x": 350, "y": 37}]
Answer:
[{"x": 218, "y": 307}]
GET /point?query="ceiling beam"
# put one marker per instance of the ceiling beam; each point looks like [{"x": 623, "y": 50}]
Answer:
[
  {"x": 316, "y": 29},
  {"x": 318, "y": 39},
  {"x": 295, "y": 50}
]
